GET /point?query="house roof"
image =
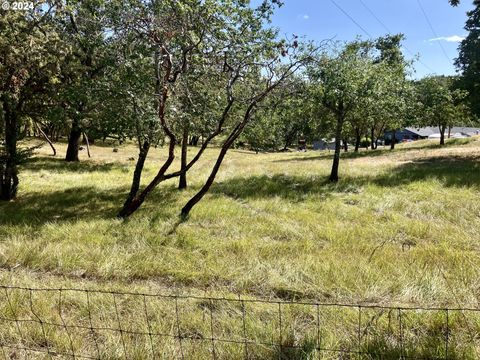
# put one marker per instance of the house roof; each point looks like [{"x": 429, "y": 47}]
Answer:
[
  {"x": 423, "y": 132},
  {"x": 430, "y": 130},
  {"x": 466, "y": 130}
]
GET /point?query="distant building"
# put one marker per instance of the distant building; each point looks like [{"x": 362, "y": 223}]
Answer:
[
  {"x": 324, "y": 144},
  {"x": 431, "y": 132}
]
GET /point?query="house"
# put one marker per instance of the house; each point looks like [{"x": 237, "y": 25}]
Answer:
[
  {"x": 324, "y": 144},
  {"x": 431, "y": 132},
  {"x": 466, "y": 131}
]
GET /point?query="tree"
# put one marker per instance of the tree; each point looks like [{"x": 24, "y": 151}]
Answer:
[
  {"x": 284, "y": 116},
  {"x": 84, "y": 27},
  {"x": 195, "y": 109},
  {"x": 468, "y": 61},
  {"x": 274, "y": 76},
  {"x": 174, "y": 32},
  {"x": 394, "y": 95},
  {"x": 229, "y": 42},
  {"x": 343, "y": 80},
  {"x": 441, "y": 104},
  {"x": 30, "y": 52}
]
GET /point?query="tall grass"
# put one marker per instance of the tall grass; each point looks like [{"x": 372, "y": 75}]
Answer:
[{"x": 400, "y": 227}]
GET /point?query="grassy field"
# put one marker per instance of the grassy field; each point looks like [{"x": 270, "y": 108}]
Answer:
[{"x": 400, "y": 228}]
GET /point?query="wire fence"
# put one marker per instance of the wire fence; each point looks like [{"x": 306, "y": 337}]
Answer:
[{"x": 91, "y": 324}]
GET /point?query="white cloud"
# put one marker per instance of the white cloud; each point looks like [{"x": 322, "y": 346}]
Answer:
[
  {"x": 453, "y": 38},
  {"x": 304, "y": 17}
]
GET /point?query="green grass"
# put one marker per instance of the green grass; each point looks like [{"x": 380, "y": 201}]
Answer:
[{"x": 401, "y": 227}]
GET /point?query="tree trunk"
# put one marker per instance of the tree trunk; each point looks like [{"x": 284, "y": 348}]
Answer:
[
  {"x": 198, "y": 196},
  {"x": 74, "y": 141},
  {"x": 442, "y": 135},
  {"x": 85, "y": 138},
  {"x": 194, "y": 140},
  {"x": 372, "y": 138},
  {"x": 449, "y": 132},
  {"x": 225, "y": 147},
  {"x": 134, "y": 202},
  {"x": 345, "y": 145},
  {"x": 394, "y": 139},
  {"x": 182, "y": 183},
  {"x": 357, "y": 139},
  {"x": 8, "y": 165},
  {"x": 137, "y": 176},
  {"x": 46, "y": 138},
  {"x": 338, "y": 147}
]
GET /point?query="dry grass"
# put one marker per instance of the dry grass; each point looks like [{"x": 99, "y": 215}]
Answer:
[{"x": 401, "y": 227}]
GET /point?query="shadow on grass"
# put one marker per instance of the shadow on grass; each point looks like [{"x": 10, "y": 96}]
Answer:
[
  {"x": 78, "y": 203},
  {"x": 289, "y": 187},
  {"x": 60, "y": 165},
  {"x": 73, "y": 203},
  {"x": 380, "y": 152},
  {"x": 89, "y": 202},
  {"x": 450, "y": 171}
]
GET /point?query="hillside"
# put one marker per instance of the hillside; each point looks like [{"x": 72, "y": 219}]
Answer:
[{"x": 401, "y": 227}]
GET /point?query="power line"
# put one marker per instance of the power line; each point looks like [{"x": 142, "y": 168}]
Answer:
[
  {"x": 390, "y": 32},
  {"x": 375, "y": 16},
  {"x": 383, "y": 25},
  {"x": 433, "y": 30},
  {"x": 351, "y": 18}
]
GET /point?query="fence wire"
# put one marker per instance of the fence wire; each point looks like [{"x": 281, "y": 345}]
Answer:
[{"x": 91, "y": 324}]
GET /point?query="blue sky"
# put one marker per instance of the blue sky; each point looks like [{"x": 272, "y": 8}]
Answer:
[{"x": 322, "y": 19}]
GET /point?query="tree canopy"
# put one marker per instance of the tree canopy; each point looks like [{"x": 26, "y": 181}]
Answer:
[
  {"x": 206, "y": 73},
  {"x": 468, "y": 61}
]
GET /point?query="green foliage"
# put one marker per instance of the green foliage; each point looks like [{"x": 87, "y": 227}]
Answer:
[
  {"x": 365, "y": 83},
  {"x": 441, "y": 104},
  {"x": 84, "y": 90},
  {"x": 286, "y": 115},
  {"x": 468, "y": 61},
  {"x": 343, "y": 79},
  {"x": 30, "y": 53}
]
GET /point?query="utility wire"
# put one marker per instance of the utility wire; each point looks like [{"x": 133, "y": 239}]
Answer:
[
  {"x": 375, "y": 16},
  {"x": 390, "y": 32},
  {"x": 351, "y": 18},
  {"x": 433, "y": 30}
]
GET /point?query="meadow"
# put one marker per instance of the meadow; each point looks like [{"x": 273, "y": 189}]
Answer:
[{"x": 401, "y": 228}]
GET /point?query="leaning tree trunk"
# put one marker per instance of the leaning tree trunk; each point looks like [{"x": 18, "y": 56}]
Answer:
[
  {"x": 74, "y": 141},
  {"x": 338, "y": 148},
  {"x": 134, "y": 202},
  {"x": 47, "y": 139},
  {"x": 225, "y": 147},
  {"x": 87, "y": 143},
  {"x": 182, "y": 183},
  {"x": 8, "y": 165},
  {"x": 211, "y": 178},
  {"x": 137, "y": 176},
  {"x": 198, "y": 196},
  {"x": 394, "y": 139},
  {"x": 357, "y": 139}
]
